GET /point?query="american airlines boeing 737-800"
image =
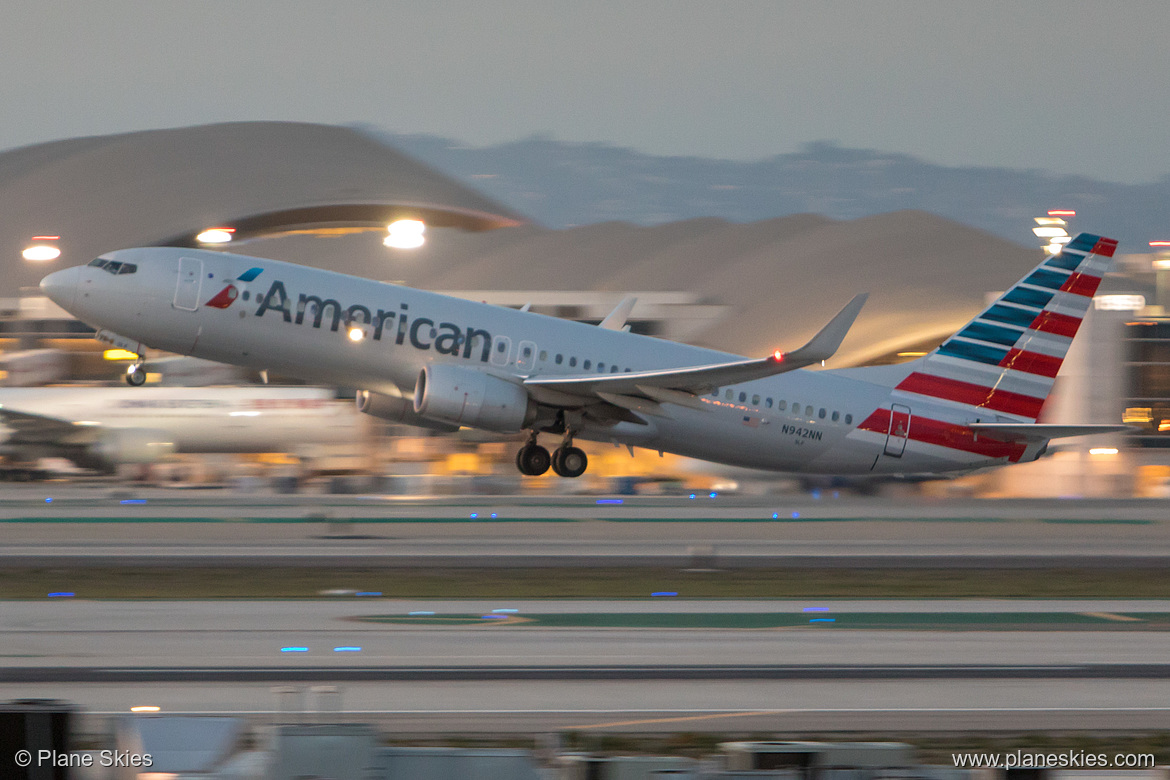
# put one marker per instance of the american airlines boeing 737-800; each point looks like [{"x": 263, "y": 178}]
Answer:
[{"x": 437, "y": 361}]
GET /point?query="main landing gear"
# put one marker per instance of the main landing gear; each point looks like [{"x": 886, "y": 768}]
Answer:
[
  {"x": 136, "y": 373},
  {"x": 566, "y": 461}
]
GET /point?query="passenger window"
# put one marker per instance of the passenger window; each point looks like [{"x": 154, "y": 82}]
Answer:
[
  {"x": 543, "y": 355},
  {"x": 560, "y": 359},
  {"x": 742, "y": 397},
  {"x": 848, "y": 419},
  {"x": 782, "y": 405},
  {"x": 768, "y": 403},
  {"x": 627, "y": 370},
  {"x": 501, "y": 347},
  {"x": 836, "y": 416},
  {"x": 587, "y": 364},
  {"x": 613, "y": 369},
  {"x": 573, "y": 362},
  {"x": 755, "y": 400},
  {"x": 808, "y": 411},
  {"x": 728, "y": 395},
  {"x": 601, "y": 368},
  {"x": 821, "y": 413}
]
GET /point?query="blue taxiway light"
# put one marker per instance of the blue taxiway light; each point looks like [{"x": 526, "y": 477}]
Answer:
[
  {"x": 62, "y": 594},
  {"x": 823, "y": 620},
  {"x": 816, "y": 609},
  {"x": 610, "y": 501},
  {"x": 421, "y": 613},
  {"x": 507, "y": 611},
  {"x": 665, "y": 593},
  {"x": 713, "y": 495},
  {"x": 48, "y": 500},
  {"x": 692, "y": 496},
  {"x": 494, "y": 617},
  {"x": 132, "y": 501},
  {"x": 368, "y": 593},
  {"x": 347, "y": 649},
  {"x": 796, "y": 515},
  {"x": 294, "y": 649},
  {"x": 494, "y": 515}
]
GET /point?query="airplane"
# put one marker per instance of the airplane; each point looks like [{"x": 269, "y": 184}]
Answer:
[
  {"x": 101, "y": 428},
  {"x": 426, "y": 359}
]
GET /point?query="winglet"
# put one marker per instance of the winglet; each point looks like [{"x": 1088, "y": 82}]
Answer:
[
  {"x": 824, "y": 345},
  {"x": 617, "y": 318}
]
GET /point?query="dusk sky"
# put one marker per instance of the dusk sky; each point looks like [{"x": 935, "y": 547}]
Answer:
[{"x": 1077, "y": 86}]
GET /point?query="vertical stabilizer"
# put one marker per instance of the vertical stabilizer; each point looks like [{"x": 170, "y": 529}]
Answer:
[{"x": 1005, "y": 360}]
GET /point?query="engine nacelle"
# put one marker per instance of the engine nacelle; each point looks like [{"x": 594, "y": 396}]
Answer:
[
  {"x": 399, "y": 410},
  {"x": 117, "y": 446},
  {"x": 466, "y": 396}
]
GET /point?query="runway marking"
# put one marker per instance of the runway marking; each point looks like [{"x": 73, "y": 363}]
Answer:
[
  {"x": 681, "y": 719},
  {"x": 1114, "y": 616}
]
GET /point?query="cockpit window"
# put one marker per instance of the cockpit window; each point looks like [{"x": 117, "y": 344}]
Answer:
[{"x": 114, "y": 266}]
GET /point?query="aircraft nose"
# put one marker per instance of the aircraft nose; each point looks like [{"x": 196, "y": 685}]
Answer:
[{"x": 61, "y": 286}]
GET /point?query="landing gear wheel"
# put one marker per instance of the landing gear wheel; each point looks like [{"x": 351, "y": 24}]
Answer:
[
  {"x": 136, "y": 375},
  {"x": 569, "y": 461},
  {"x": 532, "y": 460}
]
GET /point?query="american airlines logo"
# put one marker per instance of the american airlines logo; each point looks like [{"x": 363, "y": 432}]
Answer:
[
  {"x": 422, "y": 333},
  {"x": 227, "y": 296}
]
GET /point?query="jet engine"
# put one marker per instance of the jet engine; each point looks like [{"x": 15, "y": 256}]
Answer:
[
  {"x": 399, "y": 410},
  {"x": 466, "y": 396}
]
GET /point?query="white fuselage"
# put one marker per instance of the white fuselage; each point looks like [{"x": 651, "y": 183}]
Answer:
[
  {"x": 295, "y": 320},
  {"x": 203, "y": 419}
]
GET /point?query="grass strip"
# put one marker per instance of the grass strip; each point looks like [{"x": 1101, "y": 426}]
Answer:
[
  {"x": 309, "y": 582},
  {"x": 956, "y": 621}
]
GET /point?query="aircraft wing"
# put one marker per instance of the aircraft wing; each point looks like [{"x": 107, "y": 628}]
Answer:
[
  {"x": 673, "y": 385},
  {"x": 1042, "y": 431},
  {"x": 28, "y": 428}
]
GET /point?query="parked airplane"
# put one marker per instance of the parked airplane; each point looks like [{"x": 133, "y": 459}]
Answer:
[
  {"x": 432, "y": 360},
  {"x": 103, "y": 427}
]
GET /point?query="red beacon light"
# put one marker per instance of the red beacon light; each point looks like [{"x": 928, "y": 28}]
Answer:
[
  {"x": 778, "y": 356},
  {"x": 1062, "y": 213}
]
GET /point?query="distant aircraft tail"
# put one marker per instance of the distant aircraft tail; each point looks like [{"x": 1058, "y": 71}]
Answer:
[{"x": 1006, "y": 359}]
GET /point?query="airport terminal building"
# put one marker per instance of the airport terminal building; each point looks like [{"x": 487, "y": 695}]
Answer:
[{"x": 324, "y": 196}]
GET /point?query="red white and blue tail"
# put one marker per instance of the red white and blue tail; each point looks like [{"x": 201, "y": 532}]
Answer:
[{"x": 1005, "y": 360}]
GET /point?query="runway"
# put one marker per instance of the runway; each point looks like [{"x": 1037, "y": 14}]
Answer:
[
  {"x": 226, "y": 657},
  {"x": 522, "y": 665},
  {"x": 81, "y": 527}
]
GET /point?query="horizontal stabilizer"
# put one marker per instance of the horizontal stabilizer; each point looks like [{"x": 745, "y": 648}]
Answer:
[{"x": 1042, "y": 431}]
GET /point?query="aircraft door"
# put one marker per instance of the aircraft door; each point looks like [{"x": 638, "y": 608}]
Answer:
[
  {"x": 899, "y": 430},
  {"x": 189, "y": 283},
  {"x": 526, "y": 355},
  {"x": 501, "y": 350}
]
